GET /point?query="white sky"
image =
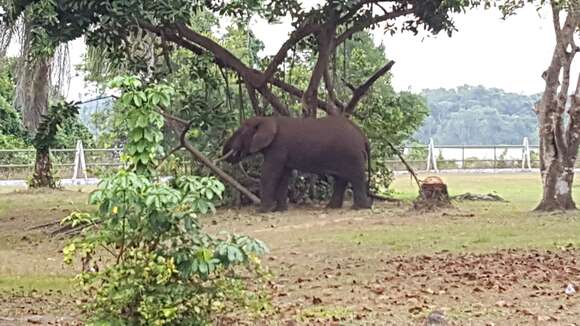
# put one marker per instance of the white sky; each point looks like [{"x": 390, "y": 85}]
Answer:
[{"x": 486, "y": 50}]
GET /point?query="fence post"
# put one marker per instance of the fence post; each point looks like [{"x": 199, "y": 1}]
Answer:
[
  {"x": 431, "y": 158},
  {"x": 526, "y": 155},
  {"x": 463, "y": 157},
  {"x": 79, "y": 161},
  {"x": 494, "y": 156}
]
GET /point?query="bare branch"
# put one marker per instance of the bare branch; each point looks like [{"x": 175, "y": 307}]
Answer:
[
  {"x": 295, "y": 37},
  {"x": 254, "y": 100},
  {"x": 170, "y": 116},
  {"x": 363, "y": 89},
  {"x": 355, "y": 9},
  {"x": 325, "y": 44},
  {"x": 336, "y": 104},
  {"x": 173, "y": 151},
  {"x": 411, "y": 171},
  {"x": 224, "y": 176},
  {"x": 349, "y": 85}
]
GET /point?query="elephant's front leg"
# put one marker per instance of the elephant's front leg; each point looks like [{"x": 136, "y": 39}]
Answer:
[
  {"x": 271, "y": 174},
  {"x": 282, "y": 191}
]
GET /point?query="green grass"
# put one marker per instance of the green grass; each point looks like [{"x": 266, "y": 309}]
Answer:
[
  {"x": 435, "y": 234},
  {"x": 474, "y": 226},
  {"x": 523, "y": 190}
]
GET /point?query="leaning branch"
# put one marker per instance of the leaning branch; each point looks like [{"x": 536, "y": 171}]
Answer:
[
  {"x": 409, "y": 168},
  {"x": 205, "y": 161},
  {"x": 359, "y": 92}
]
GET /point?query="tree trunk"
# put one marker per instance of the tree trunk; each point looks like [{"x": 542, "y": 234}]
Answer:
[
  {"x": 559, "y": 143},
  {"x": 557, "y": 179},
  {"x": 42, "y": 170}
]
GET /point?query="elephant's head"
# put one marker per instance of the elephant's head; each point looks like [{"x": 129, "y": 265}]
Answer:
[{"x": 254, "y": 135}]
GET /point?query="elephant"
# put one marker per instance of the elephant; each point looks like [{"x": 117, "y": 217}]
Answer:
[{"x": 332, "y": 145}]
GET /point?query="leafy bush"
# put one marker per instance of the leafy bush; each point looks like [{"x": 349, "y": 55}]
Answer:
[{"x": 162, "y": 269}]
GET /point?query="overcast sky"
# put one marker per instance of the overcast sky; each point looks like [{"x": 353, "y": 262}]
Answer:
[{"x": 486, "y": 50}]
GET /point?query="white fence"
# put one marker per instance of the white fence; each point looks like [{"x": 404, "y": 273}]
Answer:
[
  {"x": 80, "y": 163},
  {"x": 482, "y": 158},
  {"x": 18, "y": 164}
]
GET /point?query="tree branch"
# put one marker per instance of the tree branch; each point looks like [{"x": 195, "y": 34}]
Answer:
[
  {"x": 325, "y": 44},
  {"x": 298, "y": 93},
  {"x": 280, "y": 107},
  {"x": 204, "y": 160},
  {"x": 361, "y": 25},
  {"x": 355, "y": 9},
  {"x": 295, "y": 37},
  {"x": 359, "y": 92},
  {"x": 336, "y": 104},
  {"x": 173, "y": 151},
  {"x": 254, "y": 100}
]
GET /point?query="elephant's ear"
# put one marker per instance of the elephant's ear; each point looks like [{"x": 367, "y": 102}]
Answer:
[{"x": 265, "y": 132}]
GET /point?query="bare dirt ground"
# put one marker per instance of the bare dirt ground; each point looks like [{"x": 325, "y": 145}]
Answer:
[
  {"x": 480, "y": 264},
  {"x": 322, "y": 279}
]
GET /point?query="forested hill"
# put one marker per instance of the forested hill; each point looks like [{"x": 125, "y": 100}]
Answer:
[{"x": 475, "y": 115}]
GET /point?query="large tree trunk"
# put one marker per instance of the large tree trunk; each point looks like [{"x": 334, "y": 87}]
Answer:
[
  {"x": 557, "y": 179},
  {"x": 33, "y": 110},
  {"x": 32, "y": 94},
  {"x": 559, "y": 143}
]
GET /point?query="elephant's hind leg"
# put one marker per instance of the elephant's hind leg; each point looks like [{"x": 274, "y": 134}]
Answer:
[
  {"x": 359, "y": 189},
  {"x": 338, "y": 194}
]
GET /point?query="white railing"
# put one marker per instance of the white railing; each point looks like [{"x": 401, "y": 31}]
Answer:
[
  {"x": 437, "y": 158},
  {"x": 18, "y": 164},
  {"x": 81, "y": 163}
]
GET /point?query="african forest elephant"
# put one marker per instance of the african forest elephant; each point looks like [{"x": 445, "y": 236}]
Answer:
[{"x": 333, "y": 145}]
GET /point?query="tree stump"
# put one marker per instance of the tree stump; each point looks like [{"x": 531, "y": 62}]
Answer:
[{"x": 433, "y": 194}]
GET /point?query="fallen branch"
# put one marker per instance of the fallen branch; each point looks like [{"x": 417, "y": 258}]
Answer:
[
  {"x": 384, "y": 198},
  {"x": 479, "y": 197},
  {"x": 42, "y": 226},
  {"x": 411, "y": 171}
]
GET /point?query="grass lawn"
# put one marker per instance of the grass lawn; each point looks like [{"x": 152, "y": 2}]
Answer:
[{"x": 480, "y": 262}]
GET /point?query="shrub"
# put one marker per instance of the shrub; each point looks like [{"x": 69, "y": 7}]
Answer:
[{"x": 161, "y": 267}]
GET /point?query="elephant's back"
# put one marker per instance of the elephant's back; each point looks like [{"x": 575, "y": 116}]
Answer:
[{"x": 319, "y": 145}]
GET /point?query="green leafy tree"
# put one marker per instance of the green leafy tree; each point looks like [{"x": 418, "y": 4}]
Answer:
[{"x": 142, "y": 34}]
